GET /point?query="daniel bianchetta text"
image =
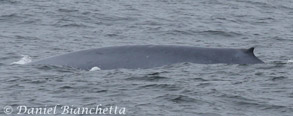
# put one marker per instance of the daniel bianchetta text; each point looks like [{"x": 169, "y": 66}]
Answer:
[{"x": 69, "y": 109}]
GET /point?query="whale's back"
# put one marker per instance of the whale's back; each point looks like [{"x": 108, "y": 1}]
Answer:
[{"x": 148, "y": 56}]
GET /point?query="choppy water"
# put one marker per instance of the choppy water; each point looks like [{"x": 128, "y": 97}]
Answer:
[{"x": 42, "y": 28}]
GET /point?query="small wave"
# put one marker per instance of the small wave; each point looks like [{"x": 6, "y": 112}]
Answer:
[
  {"x": 67, "y": 10},
  {"x": 181, "y": 99},
  {"x": 153, "y": 78},
  {"x": 24, "y": 60},
  {"x": 168, "y": 87},
  {"x": 281, "y": 62},
  {"x": 220, "y": 33},
  {"x": 8, "y": 1}
]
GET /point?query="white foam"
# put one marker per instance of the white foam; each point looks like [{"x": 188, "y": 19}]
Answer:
[
  {"x": 290, "y": 61},
  {"x": 24, "y": 60},
  {"x": 95, "y": 68}
]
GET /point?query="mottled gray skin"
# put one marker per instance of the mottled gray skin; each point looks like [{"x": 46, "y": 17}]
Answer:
[{"x": 149, "y": 56}]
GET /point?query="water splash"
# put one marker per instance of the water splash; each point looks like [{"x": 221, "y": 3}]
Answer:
[
  {"x": 24, "y": 60},
  {"x": 95, "y": 68}
]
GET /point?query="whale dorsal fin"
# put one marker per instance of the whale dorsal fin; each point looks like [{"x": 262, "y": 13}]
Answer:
[{"x": 250, "y": 50}]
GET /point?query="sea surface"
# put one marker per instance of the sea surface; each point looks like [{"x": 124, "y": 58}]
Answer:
[{"x": 35, "y": 29}]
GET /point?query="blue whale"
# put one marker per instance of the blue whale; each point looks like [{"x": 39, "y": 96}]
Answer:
[{"x": 149, "y": 56}]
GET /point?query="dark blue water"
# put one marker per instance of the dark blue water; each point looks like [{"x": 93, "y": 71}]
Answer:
[{"x": 43, "y": 28}]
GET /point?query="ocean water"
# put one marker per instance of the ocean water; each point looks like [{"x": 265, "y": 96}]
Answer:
[{"x": 36, "y": 29}]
